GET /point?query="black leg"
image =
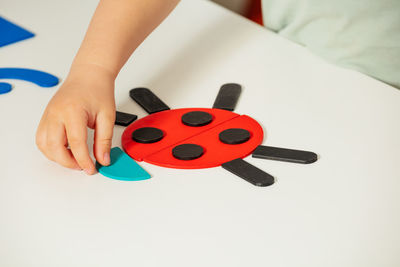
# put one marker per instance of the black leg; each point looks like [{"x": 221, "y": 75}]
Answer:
[
  {"x": 248, "y": 172},
  {"x": 228, "y": 96},
  {"x": 148, "y": 100},
  {"x": 124, "y": 119},
  {"x": 284, "y": 154}
]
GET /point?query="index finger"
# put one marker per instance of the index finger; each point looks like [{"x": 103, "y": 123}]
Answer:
[{"x": 76, "y": 129}]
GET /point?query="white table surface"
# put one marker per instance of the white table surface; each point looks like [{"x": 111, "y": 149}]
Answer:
[{"x": 343, "y": 210}]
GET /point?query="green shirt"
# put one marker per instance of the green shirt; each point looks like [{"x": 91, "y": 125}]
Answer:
[{"x": 358, "y": 34}]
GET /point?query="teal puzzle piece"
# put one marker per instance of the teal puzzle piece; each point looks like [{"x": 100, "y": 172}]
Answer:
[{"x": 122, "y": 167}]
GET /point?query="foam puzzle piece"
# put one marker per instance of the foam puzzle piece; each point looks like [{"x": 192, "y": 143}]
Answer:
[
  {"x": 174, "y": 130},
  {"x": 124, "y": 119},
  {"x": 285, "y": 154},
  {"x": 11, "y": 33},
  {"x": 148, "y": 100},
  {"x": 196, "y": 118},
  {"x": 147, "y": 135},
  {"x": 234, "y": 136},
  {"x": 37, "y": 77},
  {"x": 122, "y": 167},
  {"x": 5, "y": 88},
  {"x": 187, "y": 151},
  {"x": 228, "y": 96},
  {"x": 248, "y": 172},
  {"x": 215, "y": 151}
]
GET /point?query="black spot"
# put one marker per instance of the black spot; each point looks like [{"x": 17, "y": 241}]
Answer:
[
  {"x": 196, "y": 118},
  {"x": 234, "y": 136},
  {"x": 187, "y": 151},
  {"x": 147, "y": 135}
]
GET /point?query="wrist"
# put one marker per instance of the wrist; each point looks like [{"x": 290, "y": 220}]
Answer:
[{"x": 90, "y": 71}]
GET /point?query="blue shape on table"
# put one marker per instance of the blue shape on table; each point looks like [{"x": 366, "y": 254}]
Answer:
[
  {"x": 38, "y": 77},
  {"x": 11, "y": 33},
  {"x": 122, "y": 167},
  {"x": 5, "y": 88}
]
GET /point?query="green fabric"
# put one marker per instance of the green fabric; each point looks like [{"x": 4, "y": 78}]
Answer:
[{"x": 358, "y": 34}]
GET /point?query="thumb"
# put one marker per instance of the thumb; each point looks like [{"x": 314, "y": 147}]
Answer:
[{"x": 103, "y": 137}]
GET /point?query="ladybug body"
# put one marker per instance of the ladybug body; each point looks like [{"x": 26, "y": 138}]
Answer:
[
  {"x": 195, "y": 138},
  {"x": 220, "y": 135}
]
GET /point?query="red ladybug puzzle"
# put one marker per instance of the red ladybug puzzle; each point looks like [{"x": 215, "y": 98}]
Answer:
[{"x": 194, "y": 138}]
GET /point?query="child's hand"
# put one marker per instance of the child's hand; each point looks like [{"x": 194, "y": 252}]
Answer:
[{"x": 86, "y": 99}]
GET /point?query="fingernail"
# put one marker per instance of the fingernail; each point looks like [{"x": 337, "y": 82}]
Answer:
[
  {"x": 106, "y": 158},
  {"x": 88, "y": 172}
]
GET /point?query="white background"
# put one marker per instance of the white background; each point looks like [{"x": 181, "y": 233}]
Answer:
[{"x": 340, "y": 211}]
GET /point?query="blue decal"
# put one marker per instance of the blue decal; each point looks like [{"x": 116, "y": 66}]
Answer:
[
  {"x": 5, "y": 88},
  {"x": 11, "y": 33},
  {"x": 40, "y": 78}
]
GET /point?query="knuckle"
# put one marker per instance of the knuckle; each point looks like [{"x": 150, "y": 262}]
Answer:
[
  {"x": 109, "y": 115},
  {"x": 71, "y": 108},
  {"x": 63, "y": 161},
  {"x": 84, "y": 163},
  {"x": 104, "y": 141},
  {"x": 75, "y": 141},
  {"x": 67, "y": 164},
  {"x": 67, "y": 110},
  {"x": 52, "y": 145},
  {"x": 49, "y": 155},
  {"x": 40, "y": 142},
  {"x": 55, "y": 110}
]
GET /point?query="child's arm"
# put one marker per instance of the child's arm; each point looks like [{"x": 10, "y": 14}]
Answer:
[{"x": 86, "y": 99}]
